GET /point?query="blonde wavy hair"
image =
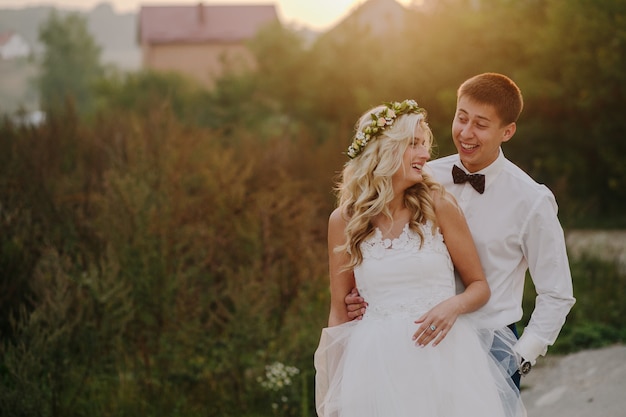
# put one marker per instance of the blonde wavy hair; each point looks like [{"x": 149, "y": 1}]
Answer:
[{"x": 365, "y": 188}]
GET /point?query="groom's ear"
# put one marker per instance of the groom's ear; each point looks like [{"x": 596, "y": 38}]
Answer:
[{"x": 509, "y": 131}]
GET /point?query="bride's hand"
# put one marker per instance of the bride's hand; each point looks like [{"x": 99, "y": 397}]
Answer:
[{"x": 435, "y": 324}]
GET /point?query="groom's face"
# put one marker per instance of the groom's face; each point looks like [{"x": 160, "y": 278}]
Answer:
[{"x": 477, "y": 132}]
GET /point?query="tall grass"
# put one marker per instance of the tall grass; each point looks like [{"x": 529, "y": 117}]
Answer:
[{"x": 170, "y": 266}]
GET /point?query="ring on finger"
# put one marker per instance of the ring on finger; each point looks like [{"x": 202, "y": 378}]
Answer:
[{"x": 433, "y": 327}]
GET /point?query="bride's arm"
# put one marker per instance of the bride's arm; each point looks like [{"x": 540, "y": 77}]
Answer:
[
  {"x": 464, "y": 255},
  {"x": 341, "y": 281}
]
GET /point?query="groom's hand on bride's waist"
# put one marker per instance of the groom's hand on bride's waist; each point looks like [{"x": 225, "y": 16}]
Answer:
[{"x": 355, "y": 304}]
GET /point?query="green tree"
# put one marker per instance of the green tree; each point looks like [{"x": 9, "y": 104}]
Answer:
[
  {"x": 71, "y": 63},
  {"x": 281, "y": 65},
  {"x": 575, "y": 92}
]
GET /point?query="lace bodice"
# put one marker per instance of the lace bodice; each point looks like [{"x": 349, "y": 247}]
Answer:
[{"x": 398, "y": 278}]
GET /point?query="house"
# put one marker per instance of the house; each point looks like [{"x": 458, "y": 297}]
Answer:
[
  {"x": 201, "y": 41},
  {"x": 13, "y": 46},
  {"x": 377, "y": 16}
]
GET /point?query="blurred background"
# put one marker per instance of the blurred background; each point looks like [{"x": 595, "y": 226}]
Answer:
[{"x": 166, "y": 175}]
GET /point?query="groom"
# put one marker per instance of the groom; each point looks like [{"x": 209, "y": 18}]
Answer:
[{"x": 513, "y": 219}]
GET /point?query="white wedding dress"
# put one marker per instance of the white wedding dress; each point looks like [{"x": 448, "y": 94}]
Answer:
[{"x": 372, "y": 367}]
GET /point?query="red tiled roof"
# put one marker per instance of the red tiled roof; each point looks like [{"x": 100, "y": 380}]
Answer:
[{"x": 201, "y": 23}]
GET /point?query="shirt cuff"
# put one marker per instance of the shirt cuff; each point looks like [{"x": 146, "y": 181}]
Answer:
[{"x": 530, "y": 347}]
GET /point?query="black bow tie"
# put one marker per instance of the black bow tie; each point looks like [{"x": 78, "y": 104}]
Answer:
[{"x": 476, "y": 180}]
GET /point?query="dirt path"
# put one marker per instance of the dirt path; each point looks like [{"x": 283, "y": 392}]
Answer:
[
  {"x": 590, "y": 383},
  {"x": 609, "y": 245}
]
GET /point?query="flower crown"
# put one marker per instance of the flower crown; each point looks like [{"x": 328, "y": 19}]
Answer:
[{"x": 380, "y": 121}]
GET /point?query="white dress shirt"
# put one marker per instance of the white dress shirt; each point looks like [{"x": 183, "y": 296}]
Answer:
[{"x": 515, "y": 227}]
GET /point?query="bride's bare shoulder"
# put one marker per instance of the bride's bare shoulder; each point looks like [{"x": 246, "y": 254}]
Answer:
[{"x": 338, "y": 217}]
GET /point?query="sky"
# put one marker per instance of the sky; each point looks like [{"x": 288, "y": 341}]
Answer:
[{"x": 315, "y": 14}]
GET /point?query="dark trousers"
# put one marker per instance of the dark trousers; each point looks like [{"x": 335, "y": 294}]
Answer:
[
  {"x": 502, "y": 355},
  {"x": 516, "y": 377}
]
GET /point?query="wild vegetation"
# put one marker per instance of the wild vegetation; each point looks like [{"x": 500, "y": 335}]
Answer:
[{"x": 162, "y": 247}]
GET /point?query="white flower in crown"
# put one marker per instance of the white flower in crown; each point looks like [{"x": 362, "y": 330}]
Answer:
[{"x": 380, "y": 120}]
